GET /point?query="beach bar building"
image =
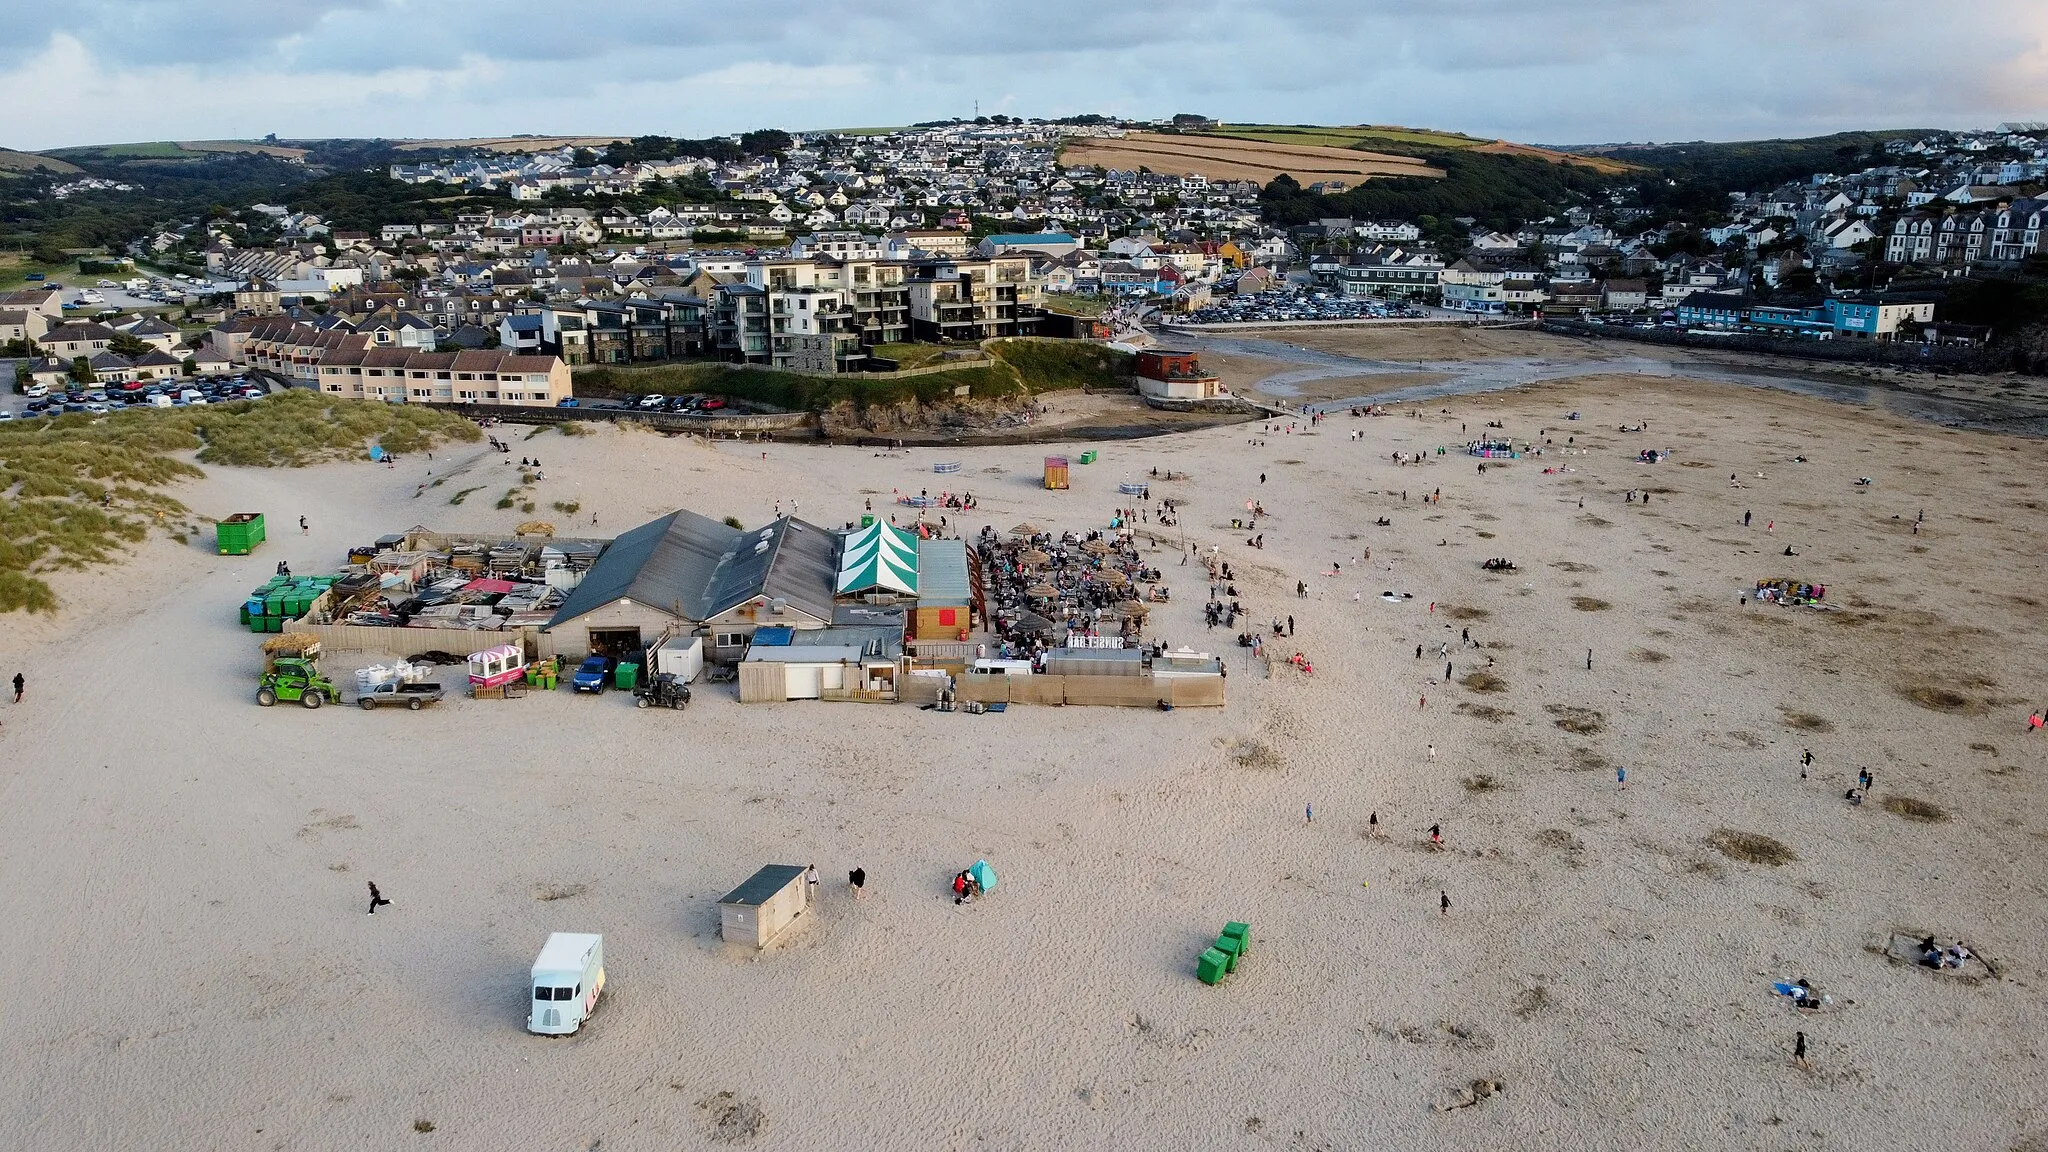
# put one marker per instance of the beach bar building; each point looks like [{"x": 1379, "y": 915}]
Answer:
[
  {"x": 685, "y": 573},
  {"x": 757, "y": 911}
]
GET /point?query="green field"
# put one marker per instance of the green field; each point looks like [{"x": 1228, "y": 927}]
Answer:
[{"x": 15, "y": 268}]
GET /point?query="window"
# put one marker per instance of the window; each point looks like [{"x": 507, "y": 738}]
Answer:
[
  {"x": 730, "y": 639},
  {"x": 949, "y": 617}
]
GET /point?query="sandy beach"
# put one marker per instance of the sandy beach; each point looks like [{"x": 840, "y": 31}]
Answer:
[{"x": 185, "y": 871}]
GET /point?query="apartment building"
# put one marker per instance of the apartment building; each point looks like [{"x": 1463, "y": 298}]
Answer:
[{"x": 973, "y": 299}]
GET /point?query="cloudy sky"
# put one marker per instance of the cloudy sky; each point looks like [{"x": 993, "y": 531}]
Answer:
[{"x": 1541, "y": 71}]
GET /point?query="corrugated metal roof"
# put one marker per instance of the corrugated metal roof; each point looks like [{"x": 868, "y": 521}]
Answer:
[
  {"x": 667, "y": 564},
  {"x": 763, "y": 884},
  {"x": 942, "y": 572},
  {"x": 694, "y": 568}
]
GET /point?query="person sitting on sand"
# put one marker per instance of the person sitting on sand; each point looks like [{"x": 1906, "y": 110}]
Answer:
[{"x": 1853, "y": 796}]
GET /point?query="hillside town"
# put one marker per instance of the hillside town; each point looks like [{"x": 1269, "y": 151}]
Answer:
[{"x": 826, "y": 252}]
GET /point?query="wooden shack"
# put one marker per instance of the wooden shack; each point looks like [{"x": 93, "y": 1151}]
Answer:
[
  {"x": 1055, "y": 472},
  {"x": 758, "y": 910}
]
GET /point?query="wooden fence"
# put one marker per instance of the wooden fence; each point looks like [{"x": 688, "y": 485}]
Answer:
[{"x": 1142, "y": 691}]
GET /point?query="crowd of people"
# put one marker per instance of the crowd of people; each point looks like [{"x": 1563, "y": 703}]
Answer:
[{"x": 1046, "y": 588}]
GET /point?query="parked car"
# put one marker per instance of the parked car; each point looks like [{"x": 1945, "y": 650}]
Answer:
[
  {"x": 36, "y": 390},
  {"x": 593, "y": 675},
  {"x": 713, "y": 404},
  {"x": 567, "y": 402}
]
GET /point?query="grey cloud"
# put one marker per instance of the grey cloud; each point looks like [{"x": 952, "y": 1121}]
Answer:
[{"x": 1550, "y": 70}]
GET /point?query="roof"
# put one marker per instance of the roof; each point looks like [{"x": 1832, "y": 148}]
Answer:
[
  {"x": 694, "y": 568},
  {"x": 788, "y": 560},
  {"x": 666, "y": 564},
  {"x": 564, "y": 951},
  {"x": 762, "y": 885},
  {"x": 880, "y": 556},
  {"x": 942, "y": 572}
]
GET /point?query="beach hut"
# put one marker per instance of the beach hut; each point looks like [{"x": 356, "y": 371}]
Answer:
[
  {"x": 1055, "y": 472},
  {"x": 758, "y": 910}
]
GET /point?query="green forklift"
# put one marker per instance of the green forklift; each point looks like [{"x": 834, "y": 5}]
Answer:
[{"x": 291, "y": 672}]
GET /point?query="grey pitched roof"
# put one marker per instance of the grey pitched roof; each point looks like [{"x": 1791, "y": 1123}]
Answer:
[
  {"x": 787, "y": 560},
  {"x": 694, "y": 568},
  {"x": 668, "y": 563}
]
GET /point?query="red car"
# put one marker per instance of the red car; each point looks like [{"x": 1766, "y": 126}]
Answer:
[{"x": 713, "y": 404}]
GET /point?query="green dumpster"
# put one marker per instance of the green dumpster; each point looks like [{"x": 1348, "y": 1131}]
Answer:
[
  {"x": 239, "y": 534},
  {"x": 626, "y": 677},
  {"x": 1211, "y": 967},
  {"x": 1243, "y": 933},
  {"x": 1231, "y": 946},
  {"x": 1088, "y": 457}
]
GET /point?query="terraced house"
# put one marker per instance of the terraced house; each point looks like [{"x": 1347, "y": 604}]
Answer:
[{"x": 350, "y": 364}]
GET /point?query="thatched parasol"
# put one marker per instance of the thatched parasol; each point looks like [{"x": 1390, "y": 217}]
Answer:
[
  {"x": 1027, "y": 528},
  {"x": 1133, "y": 608},
  {"x": 534, "y": 528},
  {"x": 1042, "y": 591},
  {"x": 1115, "y": 579},
  {"x": 1033, "y": 557},
  {"x": 1098, "y": 547}
]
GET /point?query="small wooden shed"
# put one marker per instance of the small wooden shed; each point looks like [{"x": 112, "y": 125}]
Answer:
[
  {"x": 758, "y": 910},
  {"x": 1055, "y": 472}
]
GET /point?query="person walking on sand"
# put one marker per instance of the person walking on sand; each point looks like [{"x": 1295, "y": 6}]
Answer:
[
  {"x": 1799, "y": 1051},
  {"x": 1308, "y": 814},
  {"x": 1443, "y": 902},
  {"x": 811, "y": 883},
  {"x": 377, "y": 899},
  {"x": 303, "y": 529},
  {"x": 1620, "y": 777},
  {"x": 21, "y": 682},
  {"x": 1372, "y": 824},
  {"x": 1436, "y": 834},
  {"x": 1432, "y": 752},
  {"x": 857, "y": 880}
]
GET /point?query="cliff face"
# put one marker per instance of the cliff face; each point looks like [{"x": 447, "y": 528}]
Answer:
[{"x": 958, "y": 415}]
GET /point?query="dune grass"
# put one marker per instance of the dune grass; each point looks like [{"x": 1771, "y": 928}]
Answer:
[{"x": 80, "y": 490}]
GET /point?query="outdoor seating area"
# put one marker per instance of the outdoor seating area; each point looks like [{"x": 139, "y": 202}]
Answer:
[{"x": 1046, "y": 592}]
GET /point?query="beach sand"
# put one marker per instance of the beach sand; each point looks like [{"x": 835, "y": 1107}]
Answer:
[{"x": 185, "y": 871}]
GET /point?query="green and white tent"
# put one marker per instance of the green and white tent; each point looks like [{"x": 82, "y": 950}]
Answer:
[{"x": 878, "y": 558}]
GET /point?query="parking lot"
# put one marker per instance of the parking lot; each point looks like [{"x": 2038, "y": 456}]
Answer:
[
  {"x": 1296, "y": 304},
  {"x": 103, "y": 398}
]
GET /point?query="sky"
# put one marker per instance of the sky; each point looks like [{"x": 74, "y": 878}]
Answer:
[{"x": 1535, "y": 71}]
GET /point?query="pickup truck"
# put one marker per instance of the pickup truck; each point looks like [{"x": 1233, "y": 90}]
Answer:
[{"x": 393, "y": 693}]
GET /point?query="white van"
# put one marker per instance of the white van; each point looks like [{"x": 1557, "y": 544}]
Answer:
[
  {"x": 566, "y": 980},
  {"x": 160, "y": 400}
]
